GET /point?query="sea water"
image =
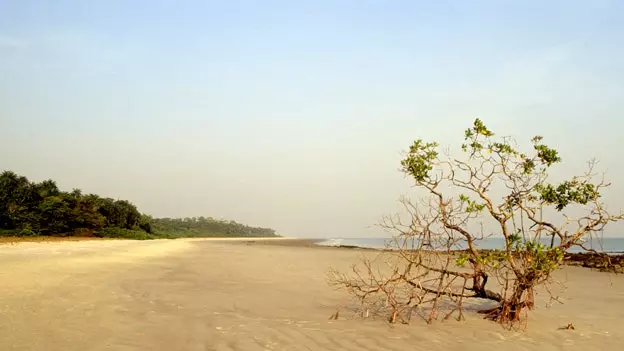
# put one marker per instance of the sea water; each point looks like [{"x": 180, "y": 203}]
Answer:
[{"x": 607, "y": 244}]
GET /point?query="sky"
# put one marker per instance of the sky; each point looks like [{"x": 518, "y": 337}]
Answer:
[{"x": 293, "y": 114}]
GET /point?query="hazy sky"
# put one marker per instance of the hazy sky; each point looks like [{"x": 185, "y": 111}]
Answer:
[{"x": 293, "y": 114}]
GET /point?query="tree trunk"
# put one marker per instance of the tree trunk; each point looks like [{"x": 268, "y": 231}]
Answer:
[
  {"x": 510, "y": 310},
  {"x": 479, "y": 281}
]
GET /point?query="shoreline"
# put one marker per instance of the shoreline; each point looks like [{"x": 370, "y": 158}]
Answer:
[
  {"x": 609, "y": 253},
  {"x": 12, "y": 240},
  {"x": 581, "y": 259},
  {"x": 591, "y": 260}
]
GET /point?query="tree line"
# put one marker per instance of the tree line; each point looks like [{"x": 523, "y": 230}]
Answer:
[
  {"x": 202, "y": 226},
  {"x": 29, "y": 209}
]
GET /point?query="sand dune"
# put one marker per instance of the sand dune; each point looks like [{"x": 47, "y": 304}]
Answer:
[{"x": 235, "y": 295}]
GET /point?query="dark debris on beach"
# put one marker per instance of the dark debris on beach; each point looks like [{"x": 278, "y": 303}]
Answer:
[{"x": 599, "y": 261}]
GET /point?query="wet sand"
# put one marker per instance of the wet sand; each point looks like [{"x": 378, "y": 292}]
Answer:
[{"x": 251, "y": 295}]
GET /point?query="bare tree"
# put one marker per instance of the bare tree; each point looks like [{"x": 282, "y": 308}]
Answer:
[{"x": 439, "y": 262}]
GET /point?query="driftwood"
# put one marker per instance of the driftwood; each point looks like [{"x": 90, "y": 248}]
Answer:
[{"x": 603, "y": 262}]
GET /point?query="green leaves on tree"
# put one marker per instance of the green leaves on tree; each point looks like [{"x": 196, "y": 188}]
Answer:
[
  {"x": 471, "y": 206},
  {"x": 419, "y": 161},
  {"x": 568, "y": 192}
]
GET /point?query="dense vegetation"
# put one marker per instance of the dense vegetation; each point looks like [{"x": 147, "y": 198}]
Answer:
[
  {"x": 30, "y": 209},
  {"x": 202, "y": 226}
]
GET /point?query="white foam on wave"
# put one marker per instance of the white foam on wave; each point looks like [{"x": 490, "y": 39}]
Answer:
[{"x": 331, "y": 242}]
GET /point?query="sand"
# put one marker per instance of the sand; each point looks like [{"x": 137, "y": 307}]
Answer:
[{"x": 236, "y": 295}]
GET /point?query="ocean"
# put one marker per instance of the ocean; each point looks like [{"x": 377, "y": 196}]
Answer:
[{"x": 608, "y": 245}]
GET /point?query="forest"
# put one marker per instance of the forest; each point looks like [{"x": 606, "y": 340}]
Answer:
[{"x": 32, "y": 209}]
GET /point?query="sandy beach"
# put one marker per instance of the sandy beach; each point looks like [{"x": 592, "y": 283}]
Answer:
[{"x": 243, "y": 295}]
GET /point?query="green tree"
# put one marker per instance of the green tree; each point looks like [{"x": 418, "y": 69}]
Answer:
[
  {"x": 55, "y": 215},
  {"x": 146, "y": 223},
  {"x": 497, "y": 187},
  {"x": 85, "y": 214},
  {"x": 17, "y": 195}
]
